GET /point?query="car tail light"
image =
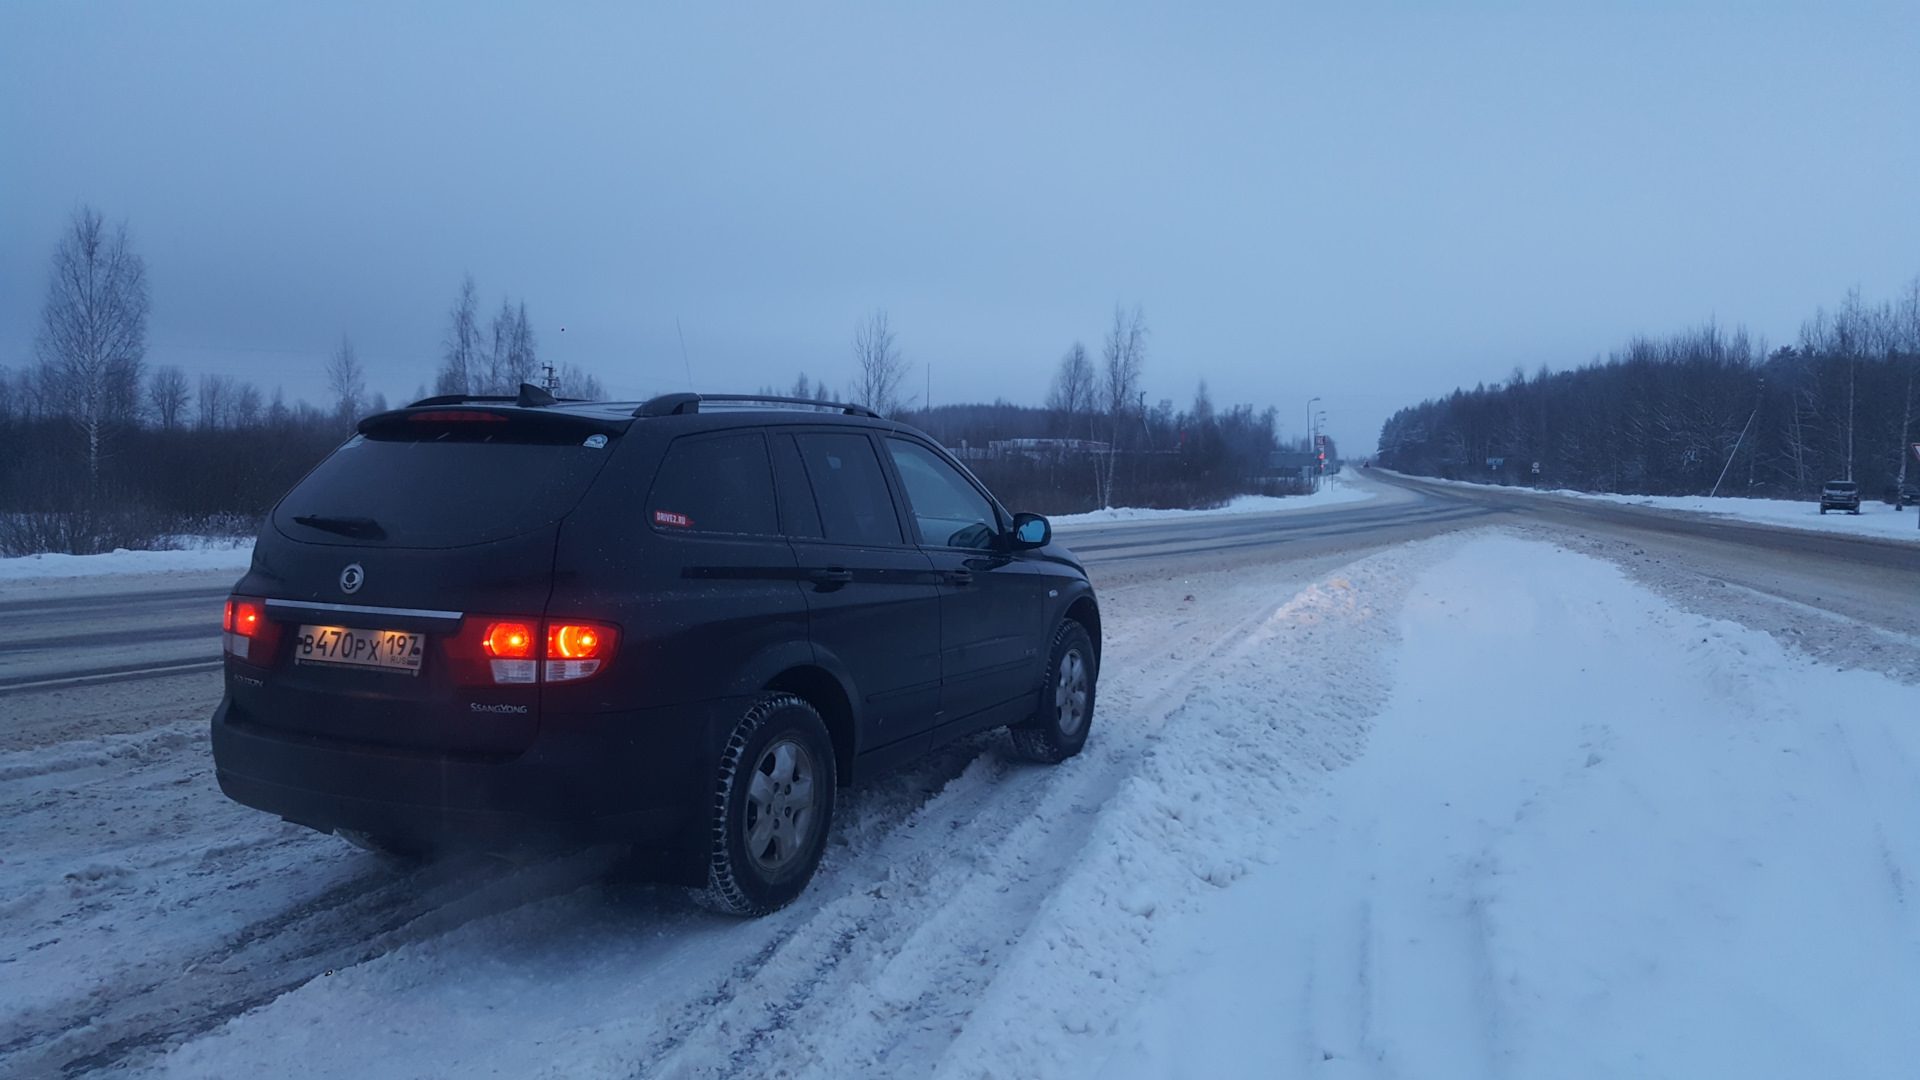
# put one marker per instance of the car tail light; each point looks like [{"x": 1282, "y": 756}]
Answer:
[
  {"x": 250, "y": 635},
  {"x": 576, "y": 650},
  {"x": 507, "y": 650}
]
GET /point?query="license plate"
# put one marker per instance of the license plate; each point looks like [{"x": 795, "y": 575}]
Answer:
[{"x": 385, "y": 650}]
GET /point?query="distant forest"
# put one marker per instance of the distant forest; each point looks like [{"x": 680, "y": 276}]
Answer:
[
  {"x": 1684, "y": 414},
  {"x": 98, "y": 451}
]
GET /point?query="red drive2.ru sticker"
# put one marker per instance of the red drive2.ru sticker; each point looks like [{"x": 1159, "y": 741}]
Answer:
[{"x": 668, "y": 517}]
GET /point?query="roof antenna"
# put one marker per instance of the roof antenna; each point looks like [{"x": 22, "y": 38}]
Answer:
[{"x": 683, "y": 350}]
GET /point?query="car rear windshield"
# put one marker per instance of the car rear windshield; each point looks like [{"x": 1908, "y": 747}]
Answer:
[{"x": 431, "y": 486}]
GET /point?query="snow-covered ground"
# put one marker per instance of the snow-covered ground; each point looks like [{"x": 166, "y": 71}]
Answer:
[
  {"x": 203, "y": 555},
  {"x": 1591, "y": 835},
  {"x": 1875, "y": 518},
  {"x": 1337, "y": 489},
  {"x": 1475, "y": 806}
]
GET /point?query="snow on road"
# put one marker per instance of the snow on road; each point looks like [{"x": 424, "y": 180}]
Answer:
[
  {"x": 1875, "y": 518},
  {"x": 1591, "y": 835},
  {"x": 1465, "y": 807}
]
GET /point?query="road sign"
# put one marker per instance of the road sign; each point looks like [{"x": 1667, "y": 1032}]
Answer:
[{"x": 1916, "y": 449}]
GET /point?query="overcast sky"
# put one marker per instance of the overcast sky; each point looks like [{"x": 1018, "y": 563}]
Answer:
[{"x": 1370, "y": 206}]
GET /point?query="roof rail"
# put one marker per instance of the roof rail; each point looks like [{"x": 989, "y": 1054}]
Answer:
[{"x": 676, "y": 404}]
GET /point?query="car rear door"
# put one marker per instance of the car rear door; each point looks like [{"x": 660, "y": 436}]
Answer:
[
  {"x": 419, "y": 530},
  {"x": 873, "y": 607}
]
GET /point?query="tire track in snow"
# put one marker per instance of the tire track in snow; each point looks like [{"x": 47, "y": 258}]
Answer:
[
  {"x": 1289, "y": 703},
  {"x": 881, "y": 971}
]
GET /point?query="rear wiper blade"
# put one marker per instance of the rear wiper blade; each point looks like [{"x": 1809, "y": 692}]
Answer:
[{"x": 360, "y": 528}]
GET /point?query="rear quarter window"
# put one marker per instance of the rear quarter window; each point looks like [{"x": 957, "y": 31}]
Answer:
[{"x": 714, "y": 484}]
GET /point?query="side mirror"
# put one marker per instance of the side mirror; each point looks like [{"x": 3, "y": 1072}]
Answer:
[{"x": 1031, "y": 531}]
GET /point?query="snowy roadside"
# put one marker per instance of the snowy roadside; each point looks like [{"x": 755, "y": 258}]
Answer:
[
  {"x": 1875, "y": 519},
  {"x": 1404, "y": 817},
  {"x": 206, "y": 554},
  {"x": 1339, "y": 488},
  {"x": 1540, "y": 867}
]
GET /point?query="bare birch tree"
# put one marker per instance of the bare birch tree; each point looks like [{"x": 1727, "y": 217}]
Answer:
[
  {"x": 508, "y": 359},
  {"x": 93, "y": 330},
  {"x": 167, "y": 396},
  {"x": 1073, "y": 387},
  {"x": 216, "y": 402},
  {"x": 878, "y": 366},
  {"x": 1125, "y": 353},
  {"x": 575, "y": 383},
  {"x": 346, "y": 381},
  {"x": 460, "y": 352}
]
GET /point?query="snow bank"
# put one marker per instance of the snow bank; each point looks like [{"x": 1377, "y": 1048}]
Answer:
[
  {"x": 1209, "y": 804},
  {"x": 212, "y": 554},
  {"x": 1338, "y": 489},
  {"x": 1875, "y": 518},
  {"x": 1592, "y": 835}
]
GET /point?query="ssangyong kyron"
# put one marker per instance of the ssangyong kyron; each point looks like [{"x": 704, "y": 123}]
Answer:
[{"x": 487, "y": 621}]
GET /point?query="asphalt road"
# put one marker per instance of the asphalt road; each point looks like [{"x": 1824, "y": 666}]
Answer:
[{"x": 64, "y": 638}]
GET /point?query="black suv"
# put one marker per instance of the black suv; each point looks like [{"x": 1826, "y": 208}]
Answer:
[
  {"x": 1840, "y": 495},
  {"x": 681, "y": 625}
]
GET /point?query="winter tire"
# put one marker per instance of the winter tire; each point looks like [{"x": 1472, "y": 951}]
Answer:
[
  {"x": 1059, "y": 728},
  {"x": 772, "y": 805}
]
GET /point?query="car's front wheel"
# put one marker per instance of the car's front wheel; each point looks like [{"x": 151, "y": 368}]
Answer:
[
  {"x": 772, "y": 805},
  {"x": 1058, "y": 729}
]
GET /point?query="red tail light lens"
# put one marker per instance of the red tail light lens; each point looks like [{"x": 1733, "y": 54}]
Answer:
[
  {"x": 504, "y": 650},
  {"x": 509, "y": 640},
  {"x": 249, "y": 634},
  {"x": 576, "y": 650},
  {"x": 509, "y": 645}
]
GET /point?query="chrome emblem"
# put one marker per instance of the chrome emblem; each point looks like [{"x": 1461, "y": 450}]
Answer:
[{"x": 351, "y": 578}]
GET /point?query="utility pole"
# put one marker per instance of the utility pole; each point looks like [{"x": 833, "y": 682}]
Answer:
[{"x": 1850, "y": 367}]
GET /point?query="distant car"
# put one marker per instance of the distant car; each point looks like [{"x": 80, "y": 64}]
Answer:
[
  {"x": 1903, "y": 495},
  {"x": 1840, "y": 495},
  {"x": 679, "y": 625}
]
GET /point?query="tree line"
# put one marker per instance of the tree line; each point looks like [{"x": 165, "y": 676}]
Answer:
[
  {"x": 1096, "y": 442},
  {"x": 1693, "y": 413},
  {"x": 98, "y": 451}
]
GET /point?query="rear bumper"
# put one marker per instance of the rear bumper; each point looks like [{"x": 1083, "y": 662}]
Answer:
[{"x": 638, "y": 776}]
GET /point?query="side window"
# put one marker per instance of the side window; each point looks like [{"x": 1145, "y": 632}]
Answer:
[
  {"x": 849, "y": 489},
  {"x": 951, "y": 512},
  {"x": 799, "y": 514},
  {"x": 714, "y": 484}
]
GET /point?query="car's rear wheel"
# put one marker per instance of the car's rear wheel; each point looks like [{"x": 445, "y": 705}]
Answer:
[
  {"x": 772, "y": 805},
  {"x": 1059, "y": 727}
]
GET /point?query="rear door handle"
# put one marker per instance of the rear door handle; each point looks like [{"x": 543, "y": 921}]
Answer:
[
  {"x": 959, "y": 577},
  {"x": 832, "y": 577}
]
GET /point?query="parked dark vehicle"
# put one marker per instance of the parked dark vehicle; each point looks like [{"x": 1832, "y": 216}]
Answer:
[
  {"x": 1901, "y": 496},
  {"x": 684, "y": 625},
  {"x": 1840, "y": 495}
]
